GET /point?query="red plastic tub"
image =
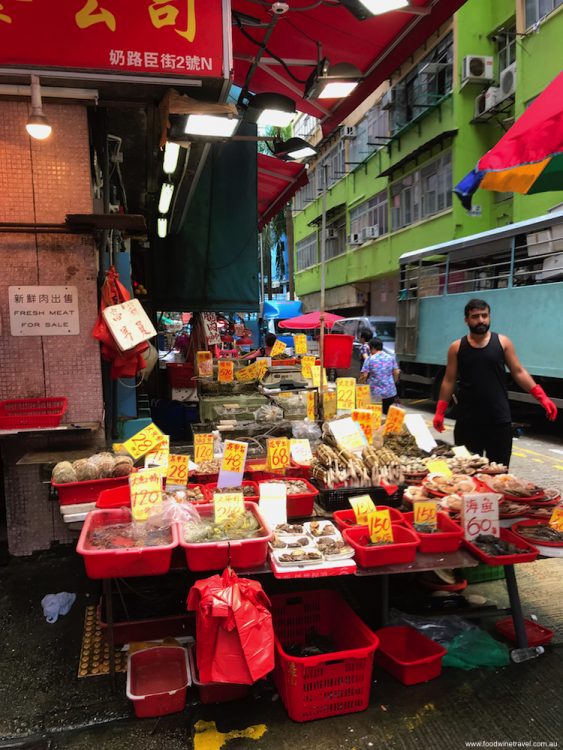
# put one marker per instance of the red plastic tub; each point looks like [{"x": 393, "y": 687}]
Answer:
[
  {"x": 32, "y": 412},
  {"x": 408, "y": 655},
  {"x": 256, "y": 470},
  {"x": 87, "y": 492},
  {"x": 301, "y": 505},
  {"x": 537, "y": 635},
  {"x": 338, "y": 350},
  {"x": 215, "y": 692},
  {"x": 121, "y": 497},
  {"x": 346, "y": 519},
  {"x": 447, "y": 539},
  {"x": 516, "y": 527},
  {"x": 403, "y": 549},
  {"x": 157, "y": 680},
  {"x": 210, "y": 487},
  {"x": 126, "y": 562},
  {"x": 284, "y": 362},
  {"x": 315, "y": 687},
  {"x": 507, "y": 536},
  {"x": 181, "y": 374},
  {"x": 243, "y": 553}
]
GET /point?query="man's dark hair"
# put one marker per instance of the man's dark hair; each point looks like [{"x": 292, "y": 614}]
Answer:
[
  {"x": 376, "y": 344},
  {"x": 270, "y": 339},
  {"x": 365, "y": 334},
  {"x": 476, "y": 304}
]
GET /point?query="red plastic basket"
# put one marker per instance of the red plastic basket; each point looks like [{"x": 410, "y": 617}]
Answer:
[
  {"x": 121, "y": 497},
  {"x": 88, "y": 492},
  {"x": 210, "y": 488},
  {"x": 126, "y": 562},
  {"x": 507, "y": 536},
  {"x": 446, "y": 539},
  {"x": 157, "y": 680},
  {"x": 32, "y": 412},
  {"x": 537, "y": 634},
  {"x": 408, "y": 655},
  {"x": 181, "y": 374},
  {"x": 315, "y": 687},
  {"x": 346, "y": 519},
  {"x": 216, "y": 692},
  {"x": 403, "y": 549},
  {"x": 301, "y": 505}
]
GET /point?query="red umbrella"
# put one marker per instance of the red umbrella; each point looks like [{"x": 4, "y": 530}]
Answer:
[{"x": 310, "y": 320}]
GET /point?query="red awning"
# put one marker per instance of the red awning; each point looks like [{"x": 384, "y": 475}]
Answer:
[
  {"x": 310, "y": 321},
  {"x": 278, "y": 181},
  {"x": 377, "y": 46}
]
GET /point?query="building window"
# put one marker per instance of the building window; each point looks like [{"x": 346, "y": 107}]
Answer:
[
  {"x": 506, "y": 41},
  {"x": 307, "y": 194},
  {"x": 425, "y": 85},
  {"x": 335, "y": 238},
  {"x": 335, "y": 161},
  {"x": 371, "y": 132},
  {"x": 535, "y": 10},
  {"x": 306, "y": 252},
  {"x": 305, "y": 126},
  {"x": 371, "y": 213},
  {"x": 422, "y": 193}
]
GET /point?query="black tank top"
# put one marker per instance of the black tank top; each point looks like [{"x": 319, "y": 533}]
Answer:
[{"x": 482, "y": 393}]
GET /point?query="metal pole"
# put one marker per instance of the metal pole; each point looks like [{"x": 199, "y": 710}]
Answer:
[
  {"x": 290, "y": 250},
  {"x": 322, "y": 304},
  {"x": 261, "y": 249}
]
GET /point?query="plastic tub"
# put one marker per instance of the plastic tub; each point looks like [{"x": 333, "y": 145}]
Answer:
[
  {"x": 315, "y": 687},
  {"x": 346, "y": 519},
  {"x": 338, "y": 498},
  {"x": 215, "y": 692},
  {"x": 507, "y": 536},
  {"x": 126, "y": 562},
  {"x": 537, "y": 635},
  {"x": 243, "y": 553},
  {"x": 447, "y": 539},
  {"x": 28, "y": 413},
  {"x": 121, "y": 497},
  {"x": 338, "y": 350},
  {"x": 284, "y": 362},
  {"x": 403, "y": 549},
  {"x": 210, "y": 487},
  {"x": 157, "y": 680},
  {"x": 181, "y": 374},
  {"x": 87, "y": 492},
  {"x": 408, "y": 655},
  {"x": 302, "y": 504}
]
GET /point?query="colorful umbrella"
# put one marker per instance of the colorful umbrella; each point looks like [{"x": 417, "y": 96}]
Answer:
[
  {"x": 529, "y": 157},
  {"x": 309, "y": 321}
]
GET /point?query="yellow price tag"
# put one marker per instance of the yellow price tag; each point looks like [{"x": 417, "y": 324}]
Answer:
[
  {"x": 395, "y": 419},
  {"x": 363, "y": 397},
  {"x": 307, "y": 362},
  {"x": 145, "y": 441},
  {"x": 278, "y": 348},
  {"x": 379, "y": 526},
  {"x": 278, "y": 455},
  {"x": 300, "y": 343},
  {"x": 204, "y": 364},
  {"x": 177, "y": 469},
  {"x": 439, "y": 467},
  {"x": 362, "y": 506},
  {"x": 329, "y": 404},
  {"x": 225, "y": 371},
  {"x": 425, "y": 514},
  {"x": 117, "y": 447},
  {"x": 311, "y": 406},
  {"x": 556, "y": 519},
  {"x": 251, "y": 372},
  {"x": 346, "y": 393},
  {"x": 203, "y": 447},
  {"x": 227, "y": 505},
  {"x": 262, "y": 365},
  {"x": 234, "y": 457},
  {"x": 146, "y": 492},
  {"x": 377, "y": 410},
  {"x": 316, "y": 376},
  {"x": 366, "y": 419}
]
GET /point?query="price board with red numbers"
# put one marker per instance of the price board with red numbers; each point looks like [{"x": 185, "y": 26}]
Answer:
[
  {"x": 479, "y": 514},
  {"x": 278, "y": 455},
  {"x": 425, "y": 515},
  {"x": 307, "y": 362},
  {"x": 363, "y": 396},
  {"x": 225, "y": 371},
  {"x": 394, "y": 420},
  {"x": 203, "y": 447},
  {"x": 366, "y": 420},
  {"x": 329, "y": 404},
  {"x": 377, "y": 410},
  {"x": 278, "y": 348},
  {"x": 227, "y": 505},
  {"x": 345, "y": 393},
  {"x": 379, "y": 526},
  {"x": 232, "y": 465},
  {"x": 252, "y": 372},
  {"x": 177, "y": 469},
  {"x": 146, "y": 492},
  {"x": 556, "y": 519},
  {"x": 300, "y": 343},
  {"x": 362, "y": 506},
  {"x": 204, "y": 364},
  {"x": 311, "y": 415},
  {"x": 145, "y": 441}
]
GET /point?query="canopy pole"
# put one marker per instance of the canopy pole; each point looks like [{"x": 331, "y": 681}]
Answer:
[{"x": 322, "y": 302}]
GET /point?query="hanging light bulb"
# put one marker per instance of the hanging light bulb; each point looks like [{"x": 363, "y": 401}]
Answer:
[
  {"x": 171, "y": 154},
  {"x": 166, "y": 192},
  {"x": 37, "y": 125},
  {"x": 162, "y": 227}
]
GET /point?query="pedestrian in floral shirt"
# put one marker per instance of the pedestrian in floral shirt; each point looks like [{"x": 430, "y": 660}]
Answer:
[
  {"x": 381, "y": 372},
  {"x": 365, "y": 338}
]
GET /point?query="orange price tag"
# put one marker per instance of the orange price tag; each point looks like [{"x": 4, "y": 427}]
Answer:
[
  {"x": 362, "y": 506},
  {"x": 395, "y": 419},
  {"x": 278, "y": 453},
  {"x": 311, "y": 416},
  {"x": 379, "y": 526},
  {"x": 329, "y": 404},
  {"x": 307, "y": 362},
  {"x": 234, "y": 457},
  {"x": 203, "y": 447},
  {"x": 377, "y": 410},
  {"x": 366, "y": 419},
  {"x": 145, "y": 441},
  {"x": 227, "y": 505},
  {"x": 363, "y": 397},
  {"x": 225, "y": 371},
  {"x": 278, "y": 348},
  {"x": 177, "y": 469},
  {"x": 146, "y": 492},
  {"x": 204, "y": 364},
  {"x": 556, "y": 519},
  {"x": 345, "y": 393},
  {"x": 300, "y": 343},
  {"x": 425, "y": 514}
]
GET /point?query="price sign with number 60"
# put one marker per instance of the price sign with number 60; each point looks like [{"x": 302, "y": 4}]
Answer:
[{"x": 479, "y": 514}]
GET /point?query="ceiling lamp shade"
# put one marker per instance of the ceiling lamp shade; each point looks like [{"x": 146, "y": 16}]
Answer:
[
  {"x": 363, "y": 9},
  {"x": 293, "y": 148},
  {"x": 211, "y": 126},
  {"x": 332, "y": 81},
  {"x": 273, "y": 110},
  {"x": 37, "y": 126}
]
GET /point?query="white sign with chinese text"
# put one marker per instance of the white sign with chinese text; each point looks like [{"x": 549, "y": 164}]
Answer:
[
  {"x": 211, "y": 330},
  {"x": 129, "y": 324},
  {"x": 479, "y": 515},
  {"x": 43, "y": 310}
]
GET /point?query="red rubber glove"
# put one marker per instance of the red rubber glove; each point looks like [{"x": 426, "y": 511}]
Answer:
[
  {"x": 438, "y": 421},
  {"x": 550, "y": 409}
]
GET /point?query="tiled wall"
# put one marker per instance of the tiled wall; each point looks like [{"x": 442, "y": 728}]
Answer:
[{"x": 40, "y": 182}]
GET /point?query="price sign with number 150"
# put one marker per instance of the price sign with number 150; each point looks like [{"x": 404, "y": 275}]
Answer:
[{"x": 379, "y": 526}]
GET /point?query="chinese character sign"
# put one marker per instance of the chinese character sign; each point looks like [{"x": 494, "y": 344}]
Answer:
[
  {"x": 129, "y": 324},
  {"x": 379, "y": 526},
  {"x": 232, "y": 466},
  {"x": 211, "y": 329},
  {"x": 146, "y": 492},
  {"x": 479, "y": 514},
  {"x": 43, "y": 310},
  {"x": 170, "y": 37}
]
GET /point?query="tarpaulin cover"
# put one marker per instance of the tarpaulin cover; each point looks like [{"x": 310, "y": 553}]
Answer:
[
  {"x": 278, "y": 181},
  {"x": 211, "y": 264},
  {"x": 234, "y": 631},
  {"x": 310, "y": 320},
  {"x": 529, "y": 157}
]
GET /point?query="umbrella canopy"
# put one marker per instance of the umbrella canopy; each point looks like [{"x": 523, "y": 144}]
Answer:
[
  {"x": 529, "y": 157},
  {"x": 309, "y": 321}
]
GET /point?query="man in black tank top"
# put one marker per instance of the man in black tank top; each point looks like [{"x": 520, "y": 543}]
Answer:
[{"x": 477, "y": 362}]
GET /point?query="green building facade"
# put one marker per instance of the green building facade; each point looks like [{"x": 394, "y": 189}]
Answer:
[{"x": 389, "y": 172}]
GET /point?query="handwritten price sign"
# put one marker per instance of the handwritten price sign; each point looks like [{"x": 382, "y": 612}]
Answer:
[
  {"x": 301, "y": 451},
  {"x": 363, "y": 397},
  {"x": 251, "y": 372},
  {"x": 232, "y": 466},
  {"x": 362, "y": 506},
  {"x": 278, "y": 348},
  {"x": 278, "y": 453},
  {"x": 203, "y": 447},
  {"x": 556, "y": 519},
  {"x": 377, "y": 410},
  {"x": 300, "y": 343},
  {"x": 439, "y": 467},
  {"x": 345, "y": 393},
  {"x": 204, "y": 364},
  {"x": 146, "y": 492},
  {"x": 307, "y": 362},
  {"x": 177, "y": 469},
  {"x": 425, "y": 514},
  {"x": 145, "y": 441},
  {"x": 227, "y": 505},
  {"x": 379, "y": 526},
  {"x": 311, "y": 415},
  {"x": 225, "y": 371},
  {"x": 329, "y": 404},
  {"x": 366, "y": 420},
  {"x": 394, "y": 421},
  {"x": 479, "y": 514}
]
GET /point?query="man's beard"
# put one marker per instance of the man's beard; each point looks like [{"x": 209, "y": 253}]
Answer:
[{"x": 479, "y": 329}]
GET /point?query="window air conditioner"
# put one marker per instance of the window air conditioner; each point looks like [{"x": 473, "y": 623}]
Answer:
[
  {"x": 507, "y": 87},
  {"x": 492, "y": 97},
  {"x": 477, "y": 68},
  {"x": 348, "y": 132},
  {"x": 480, "y": 106},
  {"x": 388, "y": 100},
  {"x": 332, "y": 234},
  {"x": 370, "y": 233},
  {"x": 354, "y": 239}
]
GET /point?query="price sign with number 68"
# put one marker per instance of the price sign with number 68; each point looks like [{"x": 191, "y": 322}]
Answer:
[{"x": 278, "y": 453}]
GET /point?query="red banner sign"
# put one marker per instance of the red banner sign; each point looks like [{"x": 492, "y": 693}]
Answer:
[{"x": 164, "y": 37}]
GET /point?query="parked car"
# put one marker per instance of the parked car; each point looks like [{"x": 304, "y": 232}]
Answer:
[{"x": 381, "y": 327}]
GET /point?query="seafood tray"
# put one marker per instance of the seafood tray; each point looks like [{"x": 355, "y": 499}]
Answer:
[
  {"x": 506, "y": 536},
  {"x": 346, "y": 519},
  {"x": 239, "y": 553},
  {"x": 127, "y": 561},
  {"x": 521, "y": 527},
  {"x": 339, "y": 498},
  {"x": 299, "y": 504},
  {"x": 408, "y": 655},
  {"x": 121, "y": 496},
  {"x": 446, "y": 539},
  {"x": 402, "y": 550},
  {"x": 514, "y": 489},
  {"x": 331, "y": 684},
  {"x": 249, "y": 490},
  {"x": 440, "y": 486}
]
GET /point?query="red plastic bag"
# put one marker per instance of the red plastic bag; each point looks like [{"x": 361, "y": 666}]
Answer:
[{"x": 234, "y": 631}]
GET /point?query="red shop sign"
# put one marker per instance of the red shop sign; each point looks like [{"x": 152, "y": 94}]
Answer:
[{"x": 164, "y": 37}]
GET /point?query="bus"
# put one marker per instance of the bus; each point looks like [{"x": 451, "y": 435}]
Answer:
[{"x": 517, "y": 269}]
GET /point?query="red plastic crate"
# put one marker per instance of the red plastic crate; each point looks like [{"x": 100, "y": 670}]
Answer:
[
  {"x": 537, "y": 634},
  {"x": 215, "y": 692},
  {"x": 120, "y": 497},
  {"x": 243, "y": 553},
  {"x": 210, "y": 487},
  {"x": 157, "y": 680},
  {"x": 507, "y": 536},
  {"x": 154, "y": 628},
  {"x": 126, "y": 562},
  {"x": 181, "y": 374},
  {"x": 403, "y": 549},
  {"x": 408, "y": 655},
  {"x": 447, "y": 539},
  {"x": 346, "y": 519},
  {"x": 32, "y": 412},
  {"x": 301, "y": 505},
  {"x": 256, "y": 470},
  {"x": 284, "y": 362},
  {"x": 87, "y": 492},
  {"x": 315, "y": 687}
]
